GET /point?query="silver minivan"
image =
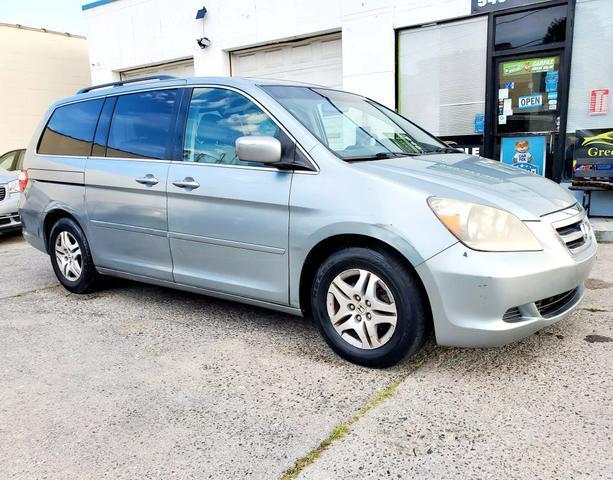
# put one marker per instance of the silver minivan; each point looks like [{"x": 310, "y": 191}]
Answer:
[{"x": 306, "y": 200}]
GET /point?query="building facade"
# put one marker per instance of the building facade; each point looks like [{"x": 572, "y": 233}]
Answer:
[
  {"x": 38, "y": 67},
  {"x": 521, "y": 81}
]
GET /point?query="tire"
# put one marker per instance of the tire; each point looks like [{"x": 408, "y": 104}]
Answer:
[
  {"x": 67, "y": 244},
  {"x": 375, "y": 275}
]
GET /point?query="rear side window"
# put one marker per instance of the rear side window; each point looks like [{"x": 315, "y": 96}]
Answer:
[
  {"x": 70, "y": 129},
  {"x": 141, "y": 125}
]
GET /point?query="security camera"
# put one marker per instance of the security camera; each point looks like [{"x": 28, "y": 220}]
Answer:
[{"x": 203, "y": 42}]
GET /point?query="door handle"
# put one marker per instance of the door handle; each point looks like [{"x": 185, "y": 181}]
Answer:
[
  {"x": 148, "y": 180},
  {"x": 187, "y": 182}
]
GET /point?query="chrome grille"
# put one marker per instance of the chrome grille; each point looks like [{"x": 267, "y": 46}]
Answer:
[
  {"x": 573, "y": 228},
  {"x": 2, "y": 192}
]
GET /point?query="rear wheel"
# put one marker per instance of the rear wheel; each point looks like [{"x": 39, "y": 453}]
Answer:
[
  {"x": 369, "y": 307},
  {"x": 71, "y": 258}
]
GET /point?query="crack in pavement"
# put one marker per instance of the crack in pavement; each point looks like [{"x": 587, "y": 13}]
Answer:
[
  {"x": 28, "y": 292},
  {"x": 342, "y": 429}
]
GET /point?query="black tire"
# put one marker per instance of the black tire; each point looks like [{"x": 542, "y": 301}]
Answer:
[
  {"x": 412, "y": 324},
  {"x": 89, "y": 276}
]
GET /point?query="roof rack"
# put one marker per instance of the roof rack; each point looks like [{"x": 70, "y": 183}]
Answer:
[{"x": 125, "y": 82}]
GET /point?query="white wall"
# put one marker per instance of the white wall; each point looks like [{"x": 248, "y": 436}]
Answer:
[
  {"x": 132, "y": 33},
  {"x": 591, "y": 67},
  {"x": 38, "y": 68}
]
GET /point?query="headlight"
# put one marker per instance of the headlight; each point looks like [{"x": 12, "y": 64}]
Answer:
[
  {"x": 14, "y": 186},
  {"x": 484, "y": 228}
]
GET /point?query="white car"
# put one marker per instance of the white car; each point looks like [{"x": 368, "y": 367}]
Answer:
[{"x": 10, "y": 166}]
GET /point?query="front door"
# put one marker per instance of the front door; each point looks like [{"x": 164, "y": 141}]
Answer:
[
  {"x": 228, "y": 220},
  {"x": 527, "y": 111}
]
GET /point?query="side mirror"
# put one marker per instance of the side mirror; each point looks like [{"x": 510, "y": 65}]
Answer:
[{"x": 260, "y": 149}]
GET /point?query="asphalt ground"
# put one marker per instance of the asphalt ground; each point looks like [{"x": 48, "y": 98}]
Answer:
[{"x": 137, "y": 381}]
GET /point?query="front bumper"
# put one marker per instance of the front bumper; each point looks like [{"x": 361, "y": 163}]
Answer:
[
  {"x": 483, "y": 299},
  {"x": 9, "y": 216}
]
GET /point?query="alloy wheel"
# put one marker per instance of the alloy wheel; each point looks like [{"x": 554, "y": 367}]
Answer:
[
  {"x": 361, "y": 308},
  {"x": 68, "y": 256}
]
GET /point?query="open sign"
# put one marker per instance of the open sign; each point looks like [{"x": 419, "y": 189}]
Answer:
[{"x": 531, "y": 101}]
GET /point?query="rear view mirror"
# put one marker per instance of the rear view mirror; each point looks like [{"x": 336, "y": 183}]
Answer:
[{"x": 260, "y": 149}]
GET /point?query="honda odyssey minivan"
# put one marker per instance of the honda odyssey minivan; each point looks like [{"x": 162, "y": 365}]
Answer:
[{"x": 302, "y": 199}]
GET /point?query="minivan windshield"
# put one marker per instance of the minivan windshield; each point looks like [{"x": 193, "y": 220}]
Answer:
[{"x": 354, "y": 127}]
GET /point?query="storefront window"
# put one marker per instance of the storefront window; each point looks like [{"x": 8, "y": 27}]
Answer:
[
  {"x": 441, "y": 75},
  {"x": 529, "y": 29},
  {"x": 528, "y": 94}
]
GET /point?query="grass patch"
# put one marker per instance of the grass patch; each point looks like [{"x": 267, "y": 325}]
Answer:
[{"x": 341, "y": 430}]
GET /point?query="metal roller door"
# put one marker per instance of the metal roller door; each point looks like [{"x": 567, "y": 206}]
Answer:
[
  {"x": 184, "y": 68},
  {"x": 314, "y": 60}
]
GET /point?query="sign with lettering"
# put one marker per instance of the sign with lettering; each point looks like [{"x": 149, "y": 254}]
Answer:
[
  {"x": 482, "y": 6},
  {"x": 525, "y": 153},
  {"x": 528, "y": 66},
  {"x": 599, "y": 101},
  {"x": 531, "y": 101},
  {"x": 593, "y": 153}
]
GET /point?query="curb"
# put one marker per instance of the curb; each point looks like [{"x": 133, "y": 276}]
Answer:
[{"x": 604, "y": 236}]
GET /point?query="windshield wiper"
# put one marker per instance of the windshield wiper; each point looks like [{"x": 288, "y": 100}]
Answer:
[
  {"x": 381, "y": 156},
  {"x": 445, "y": 150}
]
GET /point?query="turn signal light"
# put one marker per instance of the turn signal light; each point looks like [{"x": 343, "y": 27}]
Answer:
[{"x": 23, "y": 180}]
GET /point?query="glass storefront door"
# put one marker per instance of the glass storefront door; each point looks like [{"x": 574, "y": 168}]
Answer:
[{"x": 527, "y": 110}]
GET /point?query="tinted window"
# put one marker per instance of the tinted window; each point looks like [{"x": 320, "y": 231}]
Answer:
[
  {"x": 216, "y": 118},
  {"x": 102, "y": 130},
  {"x": 141, "y": 125},
  {"x": 527, "y": 29},
  {"x": 70, "y": 129}
]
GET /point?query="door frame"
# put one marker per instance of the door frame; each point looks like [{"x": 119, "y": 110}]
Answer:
[{"x": 564, "y": 49}]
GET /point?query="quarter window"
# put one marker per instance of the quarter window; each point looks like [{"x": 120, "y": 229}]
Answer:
[
  {"x": 70, "y": 129},
  {"x": 216, "y": 118},
  {"x": 141, "y": 125}
]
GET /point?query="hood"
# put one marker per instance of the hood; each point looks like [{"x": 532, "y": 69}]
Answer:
[
  {"x": 475, "y": 179},
  {"x": 6, "y": 176}
]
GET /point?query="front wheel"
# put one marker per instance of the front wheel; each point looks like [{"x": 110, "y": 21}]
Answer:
[
  {"x": 71, "y": 258},
  {"x": 369, "y": 307}
]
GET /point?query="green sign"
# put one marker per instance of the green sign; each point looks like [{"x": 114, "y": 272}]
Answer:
[{"x": 530, "y": 65}]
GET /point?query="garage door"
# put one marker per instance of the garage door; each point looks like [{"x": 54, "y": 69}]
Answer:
[
  {"x": 184, "y": 68},
  {"x": 314, "y": 60}
]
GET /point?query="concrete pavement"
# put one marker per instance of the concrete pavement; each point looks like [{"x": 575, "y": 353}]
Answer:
[{"x": 136, "y": 381}]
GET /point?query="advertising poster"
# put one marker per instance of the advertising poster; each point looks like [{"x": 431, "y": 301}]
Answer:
[
  {"x": 526, "y": 153},
  {"x": 479, "y": 122},
  {"x": 593, "y": 153},
  {"x": 531, "y": 65}
]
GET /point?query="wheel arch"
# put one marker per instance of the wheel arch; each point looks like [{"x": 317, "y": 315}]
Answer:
[
  {"x": 326, "y": 247},
  {"x": 51, "y": 217}
]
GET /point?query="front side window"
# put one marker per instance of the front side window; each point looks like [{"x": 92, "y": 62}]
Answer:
[
  {"x": 70, "y": 129},
  {"x": 141, "y": 125},
  {"x": 216, "y": 118},
  {"x": 353, "y": 127}
]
